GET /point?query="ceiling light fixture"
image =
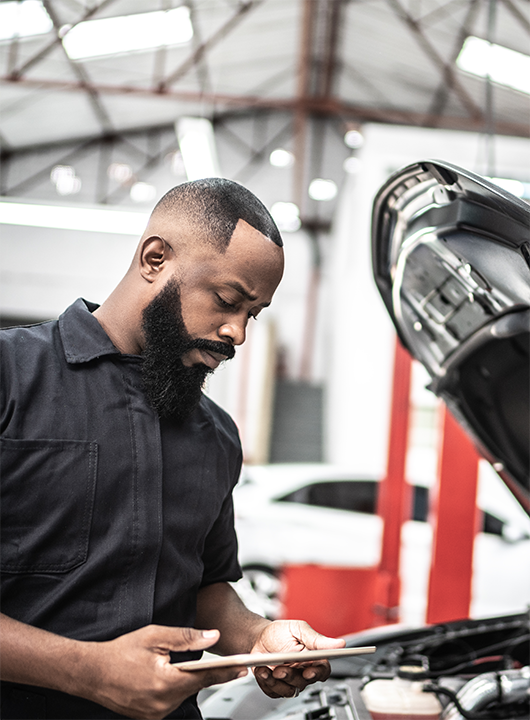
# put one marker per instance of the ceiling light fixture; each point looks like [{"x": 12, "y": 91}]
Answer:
[
  {"x": 23, "y": 19},
  {"x": 142, "y": 192},
  {"x": 65, "y": 180},
  {"x": 197, "y": 146},
  {"x": 286, "y": 215},
  {"x": 322, "y": 190},
  {"x": 354, "y": 139},
  {"x": 120, "y": 222},
  {"x": 120, "y": 172},
  {"x": 129, "y": 33},
  {"x": 352, "y": 165},
  {"x": 281, "y": 158},
  {"x": 502, "y": 65}
]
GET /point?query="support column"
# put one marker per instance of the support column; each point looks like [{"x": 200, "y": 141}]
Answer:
[
  {"x": 455, "y": 526},
  {"x": 395, "y": 494}
]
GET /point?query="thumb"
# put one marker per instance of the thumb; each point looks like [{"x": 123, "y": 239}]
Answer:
[
  {"x": 315, "y": 641},
  {"x": 181, "y": 639}
]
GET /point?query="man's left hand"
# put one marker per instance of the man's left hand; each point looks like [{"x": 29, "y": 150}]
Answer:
[{"x": 291, "y": 636}]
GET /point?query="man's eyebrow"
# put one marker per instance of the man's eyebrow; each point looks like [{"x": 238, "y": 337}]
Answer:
[{"x": 246, "y": 294}]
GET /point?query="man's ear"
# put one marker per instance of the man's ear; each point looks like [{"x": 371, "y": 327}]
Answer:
[{"x": 154, "y": 255}]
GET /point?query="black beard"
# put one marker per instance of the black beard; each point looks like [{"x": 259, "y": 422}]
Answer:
[{"x": 173, "y": 389}]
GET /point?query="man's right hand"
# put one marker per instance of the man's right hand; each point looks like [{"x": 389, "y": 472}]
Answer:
[
  {"x": 131, "y": 674},
  {"x": 134, "y": 677}
]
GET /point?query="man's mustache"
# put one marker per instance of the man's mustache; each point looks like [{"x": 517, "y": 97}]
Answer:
[{"x": 214, "y": 346}]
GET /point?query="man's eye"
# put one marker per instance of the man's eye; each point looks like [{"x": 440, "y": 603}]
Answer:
[
  {"x": 223, "y": 303},
  {"x": 254, "y": 317}
]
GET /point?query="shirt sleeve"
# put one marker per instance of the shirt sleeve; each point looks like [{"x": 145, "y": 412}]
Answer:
[{"x": 220, "y": 549}]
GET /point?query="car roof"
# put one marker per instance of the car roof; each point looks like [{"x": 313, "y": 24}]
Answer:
[{"x": 282, "y": 477}]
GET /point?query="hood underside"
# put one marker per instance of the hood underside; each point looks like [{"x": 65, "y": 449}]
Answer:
[{"x": 451, "y": 259}]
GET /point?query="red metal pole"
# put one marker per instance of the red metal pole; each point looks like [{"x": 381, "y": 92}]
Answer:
[
  {"x": 394, "y": 501},
  {"x": 454, "y": 527}
]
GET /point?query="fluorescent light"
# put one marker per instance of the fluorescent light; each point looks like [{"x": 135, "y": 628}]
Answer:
[
  {"x": 503, "y": 66},
  {"x": 320, "y": 189},
  {"x": 142, "y": 192},
  {"x": 354, "y": 139},
  {"x": 120, "y": 172},
  {"x": 281, "y": 158},
  {"x": 286, "y": 215},
  {"x": 23, "y": 19},
  {"x": 65, "y": 180},
  {"x": 197, "y": 146},
  {"x": 120, "y": 222},
  {"x": 128, "y": 33},
  {"x": 352, "y": 165}
]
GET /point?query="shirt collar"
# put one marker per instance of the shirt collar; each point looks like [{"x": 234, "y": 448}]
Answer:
[{"x": 83, "y": 337}]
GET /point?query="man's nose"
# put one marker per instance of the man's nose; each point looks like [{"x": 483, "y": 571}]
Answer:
[{"x": 235, "y": 331}]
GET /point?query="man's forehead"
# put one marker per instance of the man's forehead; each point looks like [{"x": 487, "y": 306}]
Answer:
[{"x": 242, "y": 226}]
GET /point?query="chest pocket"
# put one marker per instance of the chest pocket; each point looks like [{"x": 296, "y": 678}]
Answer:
[{"x": 47, "y": 500}]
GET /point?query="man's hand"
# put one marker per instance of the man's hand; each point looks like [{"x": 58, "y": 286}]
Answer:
[
  {"x": 134, "y": 677},
  {"x": 291, "y": 636}
]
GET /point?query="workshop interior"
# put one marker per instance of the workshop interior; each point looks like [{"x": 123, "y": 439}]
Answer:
[{"x": 382, "y": 400}]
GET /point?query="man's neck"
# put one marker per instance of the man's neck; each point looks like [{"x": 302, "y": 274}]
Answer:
[{"x": 121, "y": 320}]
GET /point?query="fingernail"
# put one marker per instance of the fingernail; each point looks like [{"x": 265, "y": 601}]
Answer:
[
  {"x": 242, "y": 673},
  {"x": 264, "y": 674},
  {"x": 209, "y": 633},
  {"x": 280, "y": 674},
  {"x": 310, "y": 674}
]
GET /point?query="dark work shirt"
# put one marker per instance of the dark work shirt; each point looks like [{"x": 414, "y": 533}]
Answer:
[{"x": 111, "y": 518}]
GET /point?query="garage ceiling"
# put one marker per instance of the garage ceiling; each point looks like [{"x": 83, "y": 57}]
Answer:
[{"x": 305, "y": 67}]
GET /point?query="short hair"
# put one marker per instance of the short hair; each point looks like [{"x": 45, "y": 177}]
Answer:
[{"x": 216, "y": 205}]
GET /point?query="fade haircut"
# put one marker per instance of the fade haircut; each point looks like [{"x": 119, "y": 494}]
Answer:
[{"x": 216, "y": 205}]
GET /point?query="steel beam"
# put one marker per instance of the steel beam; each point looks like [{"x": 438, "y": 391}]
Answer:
[
  {"x": 430, "y": 51},
  {"x": 325, "y": 107},
  {"x": 199, "y": 52}
]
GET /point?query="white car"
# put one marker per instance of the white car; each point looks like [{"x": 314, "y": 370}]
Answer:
[{"x": 299, "y": 514}]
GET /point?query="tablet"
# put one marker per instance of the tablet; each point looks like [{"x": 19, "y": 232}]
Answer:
[{"x": 255, "y": 659}]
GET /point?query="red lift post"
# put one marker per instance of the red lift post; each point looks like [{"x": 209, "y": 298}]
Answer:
[
  {"x": 455, "y": 523},
  {"x": 395, "y": 494}
]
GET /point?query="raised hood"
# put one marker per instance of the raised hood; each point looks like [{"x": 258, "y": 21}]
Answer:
[{"x": 451, "y": 258}]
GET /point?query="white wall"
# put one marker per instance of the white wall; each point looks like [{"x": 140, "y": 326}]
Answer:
[{"x": 44, "y": 270}]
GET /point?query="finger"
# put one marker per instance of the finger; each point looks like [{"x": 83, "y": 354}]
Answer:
[
  {"x": 303, "y": 675},
  {"x": 316, "y": 672},
  {"x": 181, "y": 639},
  {"x": 288, "y": 683},
  {"x": 280, "y": 688},
  {"x": 278, "y": 672},
  {"x": 315, "y": 641},
  {"x": 219, "y": 675}
]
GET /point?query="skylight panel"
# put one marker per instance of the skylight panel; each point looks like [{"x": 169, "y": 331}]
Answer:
[
  {"x": 502, "y": 65},
  {"x": 23, "y": 19},
  {"x": 128, "y": 33}
]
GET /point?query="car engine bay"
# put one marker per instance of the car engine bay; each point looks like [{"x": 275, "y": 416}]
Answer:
[{"x": 473, "y": 669}]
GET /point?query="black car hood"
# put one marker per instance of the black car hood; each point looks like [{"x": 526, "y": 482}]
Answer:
[{"x": 451, "y": 259}]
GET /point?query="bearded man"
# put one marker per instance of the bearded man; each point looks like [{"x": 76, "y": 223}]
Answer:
[{"x": 118, "y": 543}]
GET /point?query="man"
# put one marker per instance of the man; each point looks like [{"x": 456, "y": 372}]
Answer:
[{"x": 117, "y": 533}]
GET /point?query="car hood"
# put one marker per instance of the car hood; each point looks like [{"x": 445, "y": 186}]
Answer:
[{"x": 451, "y": 259}]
